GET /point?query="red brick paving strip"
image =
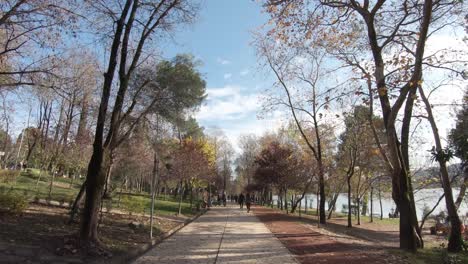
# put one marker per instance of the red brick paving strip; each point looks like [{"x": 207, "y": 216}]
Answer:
[{"x": 309, "y": 246}]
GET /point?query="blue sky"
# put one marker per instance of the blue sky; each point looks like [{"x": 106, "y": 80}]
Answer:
[{"x": 221, "y": 38}]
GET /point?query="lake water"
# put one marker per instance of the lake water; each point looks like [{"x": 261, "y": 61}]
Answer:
[{"x": 423, "y": 197}]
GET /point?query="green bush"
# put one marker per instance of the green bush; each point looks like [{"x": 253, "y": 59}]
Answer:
[
  {"x": 134, "y": 204},
  {"x": 8, "y": 175},
  {"x": 13, "y": 203},
  {"x": 34, "y": 174}
]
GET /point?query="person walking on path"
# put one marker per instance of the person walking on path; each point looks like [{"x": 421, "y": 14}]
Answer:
[
  {"x": 241, "y": 200},
  {"x": 224, "y": 199},
  {"x": 248, "y": 201}
]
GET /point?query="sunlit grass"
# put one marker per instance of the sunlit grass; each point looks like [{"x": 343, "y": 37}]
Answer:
[
  {"x": 27, "y": 184},
  {"x": 364, "y": 218},
  {"x": 433, "y": 255}
]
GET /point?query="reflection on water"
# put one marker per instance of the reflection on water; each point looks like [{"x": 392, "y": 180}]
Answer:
[{"x": 425, "y": 197}]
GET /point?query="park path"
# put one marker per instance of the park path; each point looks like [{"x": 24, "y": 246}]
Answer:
[{"x": 222, "y": 235}]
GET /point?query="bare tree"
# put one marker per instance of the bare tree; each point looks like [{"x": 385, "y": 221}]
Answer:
[
  {"x": 378, "y": 29},
  {"x": 306, "y": 95},
  {"x": 26, "y": 28},
  {"x": 136, "y": 22}
]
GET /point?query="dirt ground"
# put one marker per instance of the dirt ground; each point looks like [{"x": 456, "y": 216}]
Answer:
[
  {"x": 41, "y": 235},
  {"x": 313, "y": 245}
]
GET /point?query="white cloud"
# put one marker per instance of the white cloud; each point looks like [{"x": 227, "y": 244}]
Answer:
[
  {"x": 234, "y": 110},
  {"x": 252, "y": 125},
  {"x": 223, "y": 61},
  {"x": 228, "y": 103},
  {"x": 227, "y": 76},
  {"x": 226, "y": 91},
  {"x": 244, "y": 72}
]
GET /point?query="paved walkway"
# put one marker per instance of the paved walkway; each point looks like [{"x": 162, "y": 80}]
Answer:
[{"x": 222, "y": 235}]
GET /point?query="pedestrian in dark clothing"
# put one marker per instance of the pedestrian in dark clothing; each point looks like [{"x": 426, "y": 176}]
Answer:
[
  {"x": 248, "y": 201},
  {"x": 241, "y": 200},
  {"x": 224, "y": 199}
]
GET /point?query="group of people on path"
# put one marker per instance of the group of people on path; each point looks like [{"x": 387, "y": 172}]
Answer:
[
  {"x": 241, "y": 199},
  {"x": 247, "y": 199}
]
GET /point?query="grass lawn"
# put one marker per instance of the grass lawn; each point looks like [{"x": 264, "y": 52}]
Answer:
[
  {"x": 66, "y": 189},
  {"x": 27, "y": 184},
  {"x": 38, "y": 223},
  {"x": 433, "y": 255},
  {"x": 364, "y": 218},
  {"x": 141, "y": 204}
]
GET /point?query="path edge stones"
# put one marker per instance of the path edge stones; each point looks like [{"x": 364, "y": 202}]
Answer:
[{"x": 133, "y": 254}]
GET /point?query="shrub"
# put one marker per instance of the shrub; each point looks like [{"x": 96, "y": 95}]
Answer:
[
  {"x": 13, "y": 203},
  {"x": 8, "y": 175},
  {"x": 133, "y": 204}
]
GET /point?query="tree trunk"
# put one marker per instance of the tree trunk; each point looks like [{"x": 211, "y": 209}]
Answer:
[
  {"x": 181, "y": 190},
  {"x": 332, "y": 205},
  {"x": 96, "y": 176},
  {"x": 350, "y": 224},
  {"x": 154, "y": 179},
  {"x": 191, "y": 197},
  {"x": 209, "y": 194},
  {"x": 271, "y": 198},
  {"x": 286, "y": 200},
  {"x": 82, "y": 134},
  {"x": 372, "y": 204},
  {"x": 305, "y": 206},
  {"x": 455, "y": 239},
  {"x": 108, "y": 187},
  {"x": 463, "y": 186},
  {"x": 51, "y": 184},
  {"x": 323, "y": 219},
  {"x": 296, "y": 202},
  {"x": 380, "y": 202},
  {"x": 358, "y": 211},
  {"x": 402, "y": 194},
  {"x": 317, "y": 210},
  {"x": 96, "y": 180},
  {"x": 280, "y": 200},
  {"x": 410, "y": 237},
  {"x": 424, "y": 218},
  {"x": 300, "y": 207},
  {"x": 77, "y": 202},
  {"x": 303, "y": 194},
  {"x": 68, "y": 121}
]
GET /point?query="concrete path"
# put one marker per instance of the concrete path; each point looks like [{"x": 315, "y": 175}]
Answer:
[{"x": 222, "y": 235}]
